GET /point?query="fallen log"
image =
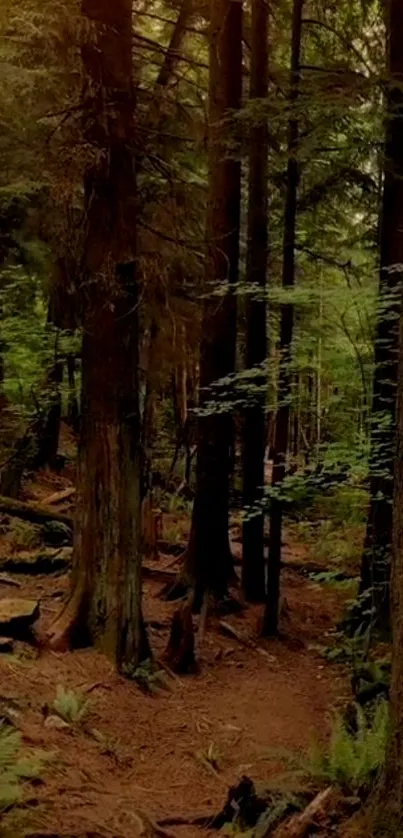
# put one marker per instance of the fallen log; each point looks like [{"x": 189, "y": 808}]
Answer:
[
  {"x": 58, "y": 497},
  {"x": 43, "y": 563},
  {"x": 32, "y": 512},
  {"x": 313, "y": 816},
  {"x": 307, "y": 569}
]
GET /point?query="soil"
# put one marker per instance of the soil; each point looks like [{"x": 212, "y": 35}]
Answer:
[{"x": 138, "y": 757}]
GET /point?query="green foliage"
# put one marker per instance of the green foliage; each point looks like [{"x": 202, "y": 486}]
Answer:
[
  {"x": 280, "y": 804},
  {"x": 72, "y": 707},
  {"x": 353, "y": 760},
  {"x": 21, "y": 535},
  {"x": 333, "y": 578},
  {"x": 148, "y": 676},
  {"x": 15, "y": 767}
]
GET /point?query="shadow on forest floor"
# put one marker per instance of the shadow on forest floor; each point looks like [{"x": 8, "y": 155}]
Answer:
[{"x": 177, "y": 751}]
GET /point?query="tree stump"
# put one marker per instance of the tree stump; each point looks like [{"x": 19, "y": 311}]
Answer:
[{"x": 180, "y": 653}]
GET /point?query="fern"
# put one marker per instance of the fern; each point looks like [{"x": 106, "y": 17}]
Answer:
[
  {"x": 353, "y": 761},
  {"x": 70, "y": 706},
  {"x": 14, "y": 767}
]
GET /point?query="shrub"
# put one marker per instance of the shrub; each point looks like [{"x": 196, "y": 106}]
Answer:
[{"x": 353, "y": 760}]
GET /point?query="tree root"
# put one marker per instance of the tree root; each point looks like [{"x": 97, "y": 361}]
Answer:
[{"x": 67, "y": 630}]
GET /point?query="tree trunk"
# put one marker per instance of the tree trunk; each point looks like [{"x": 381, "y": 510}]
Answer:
[
  {"x": 375, "y": 567},
  {"x": 73, "y": 410},
  {"x": 389, "y": 797},
  {"x": 254, "y": 428},
  {"x": 286, "y": 334},
  {"x": 209, "y": 562},
  {"x": 49, "y": 432},
  {"x": 105, "y": 600}
]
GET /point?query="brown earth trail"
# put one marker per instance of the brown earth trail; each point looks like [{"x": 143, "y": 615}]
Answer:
[{"x": 176, "y": 752}]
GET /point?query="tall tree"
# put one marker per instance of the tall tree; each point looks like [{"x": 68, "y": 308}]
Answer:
[
  {"x": 286, "y": 335},
  {"x": 254, "y": 429},
  {"x": 390, "y": 795},
  {"x": 104, "y": 606},
  {"x": 376, "y": 559},
  {"x": 209, "y": 555}
]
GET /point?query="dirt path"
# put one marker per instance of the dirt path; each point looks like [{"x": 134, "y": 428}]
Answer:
[{"x": 152, "y": 753}]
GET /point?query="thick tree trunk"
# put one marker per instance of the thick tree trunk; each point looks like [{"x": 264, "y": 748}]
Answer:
[
  {"x": 209, "y": 558},
  {"x": 286, "y": 334},
  {"x": 390, "y": 794},
  {"x": 105, "y": 601},
  {"x": 254, "y": 428},
  {"x": 375, "y": 568}
]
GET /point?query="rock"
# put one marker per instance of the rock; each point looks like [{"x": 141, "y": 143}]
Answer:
[
  {"x": 56, "y": 723},
  {"x": 37, "y": 564},
  {"x": 56, "y": 534},
  {"x": 17, "y": 616},
  {"x": 6, "y": 645}
]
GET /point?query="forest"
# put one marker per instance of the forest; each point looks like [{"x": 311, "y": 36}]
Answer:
[{"x": 201, "y": 418}]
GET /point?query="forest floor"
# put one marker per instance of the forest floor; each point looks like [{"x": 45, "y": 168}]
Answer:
[{"x": 138, "y": 756}]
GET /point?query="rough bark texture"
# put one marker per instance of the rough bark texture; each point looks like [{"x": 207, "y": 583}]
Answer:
[
  {"x": 254, "y": 428},
  {"x": 286, "y": 333},
  {"x": 105, "y": 602},
  {"x": 390, "y": 794},
  {"x": 375, "y": 569},
  {"x": 209, "y": 558}
]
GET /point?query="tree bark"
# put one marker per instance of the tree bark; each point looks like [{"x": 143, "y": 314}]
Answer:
[
  {"x": 73, "y": 410},
  {"x": 389, "y": 798},
  {"x": 254, "y": 427},
  {"x": 376, "y": 559},
  {"x": 104, "y": 607},
  {"x": 209, "y": 563},
  {"x": 49, "y": 426},
  {"x": 286, "y": 334}
]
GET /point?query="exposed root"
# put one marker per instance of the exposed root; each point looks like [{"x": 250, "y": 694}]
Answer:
[{"x": 67, "y": 630}]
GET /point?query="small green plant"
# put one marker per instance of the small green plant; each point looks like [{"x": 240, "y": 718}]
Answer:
[
  {"x": 69, "y": 705},
  {"x": 148, "y": 676},
  {"x": 353, "y": 760},
  {"x": 15, "y": 767}
]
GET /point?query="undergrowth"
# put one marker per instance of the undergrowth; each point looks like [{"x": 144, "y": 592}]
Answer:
[
  {"x": 353, "y": 758},
  {"x": 148, "y": 676},
  {"x": 15, "y": 767},
  {"x": 69, "y": 705}
]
